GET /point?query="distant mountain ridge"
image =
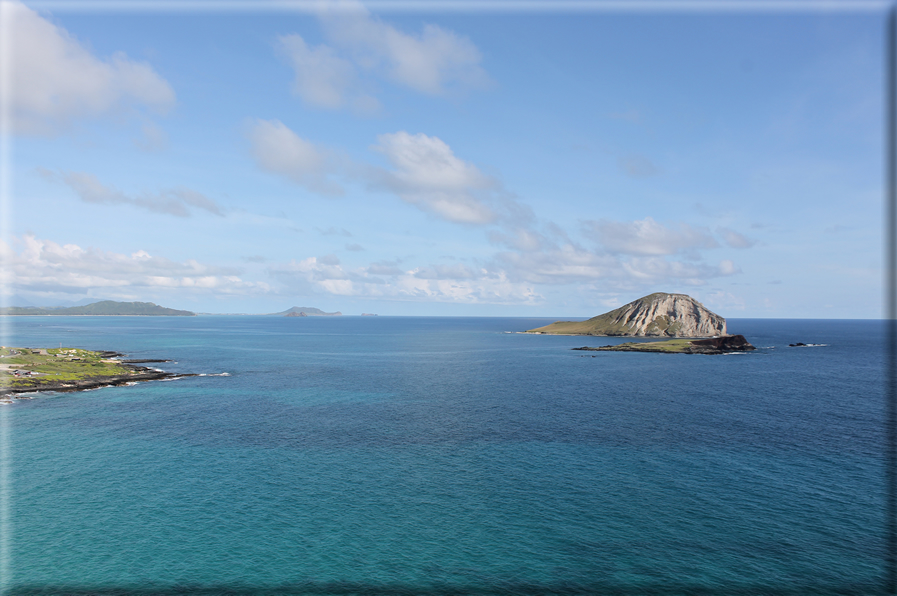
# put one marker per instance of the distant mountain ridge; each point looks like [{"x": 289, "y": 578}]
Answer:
[
  {"x": 105, "y": 308},
  {"x": 309, "y": 311},
  {"x": 655, "y": 315}
]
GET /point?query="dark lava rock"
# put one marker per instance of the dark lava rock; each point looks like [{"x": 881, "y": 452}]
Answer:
[{"x": 725, "y": 343}]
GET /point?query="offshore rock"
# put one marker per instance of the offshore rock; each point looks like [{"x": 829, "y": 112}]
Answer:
[{"x": 656, "y": 315}]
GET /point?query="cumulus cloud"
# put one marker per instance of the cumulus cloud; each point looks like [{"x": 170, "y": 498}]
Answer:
[
  {"x": 518, "y": 238},
  {"x": 454, "y": 271},
  {"x": 322, "y": 78},
  {"x": 279, "y": 150},
  {"x": 45, "y": 266},
  {"x": 385, "y": 268},
  {"x": 427, "y": 174},
  {"x": 434, "y": 62},
  {"x": 556, "y": 265},
  {"x": 174, "y": 201},
  {"x": 438, "y": 283},
  {"x": 572, "y": 264},
  {"x": 728, "y": 267},
  {"x": 55, "y": 80},
  {"x": 424, "y": 172},
  {"x": 734, "y": 239},
  {"x": 632, "y": 256},
  {"x": 646, "y": 237}
]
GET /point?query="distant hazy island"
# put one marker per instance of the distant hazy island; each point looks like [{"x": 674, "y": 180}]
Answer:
[
  {"x": 105, "y": 308},
  {"x": 712, "y": 345},
  {"x": 305, "y": 311},
  {"x": 70, "y": 369},
  {"x": 656, "y": 315}
]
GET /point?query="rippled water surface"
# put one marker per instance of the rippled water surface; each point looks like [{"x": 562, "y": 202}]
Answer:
[{"x": 387, "y": 455}]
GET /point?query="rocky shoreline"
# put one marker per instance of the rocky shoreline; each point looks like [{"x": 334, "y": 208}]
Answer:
[
  {"x": 34, "y": 381},
  {"x": 95, "y": 383}
]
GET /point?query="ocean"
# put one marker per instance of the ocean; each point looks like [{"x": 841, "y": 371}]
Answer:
[{"x": 415, "y": 455}]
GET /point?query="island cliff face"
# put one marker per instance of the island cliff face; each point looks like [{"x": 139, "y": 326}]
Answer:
[{"x": 657, "y": 315}]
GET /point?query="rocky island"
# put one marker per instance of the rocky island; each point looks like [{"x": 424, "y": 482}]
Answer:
[
  {"x": 713, "y": 345},
  {"x": 306, "y": 311},
  {"x": 25, "y": 370},
  {"x": 655, "y": 315}
]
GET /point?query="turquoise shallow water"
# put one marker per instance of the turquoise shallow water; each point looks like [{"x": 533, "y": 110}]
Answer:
[{"x": 362, "y": 455}]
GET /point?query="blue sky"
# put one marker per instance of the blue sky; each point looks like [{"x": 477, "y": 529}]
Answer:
[{"x": 446, "y": 163}]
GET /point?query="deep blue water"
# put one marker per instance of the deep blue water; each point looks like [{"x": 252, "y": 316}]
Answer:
[{"x": 389, "y": 455}]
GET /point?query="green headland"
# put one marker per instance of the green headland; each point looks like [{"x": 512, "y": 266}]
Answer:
[
  {"x": 69, "y": 369},
  {"x": 104, "y": 308}
]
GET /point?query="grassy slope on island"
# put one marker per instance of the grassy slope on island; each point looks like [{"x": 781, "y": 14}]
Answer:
[
  {"x": 670, "y": 346},
  {"x": 103, "y": 308},
  {"x": 715, "y": 345},
  {"x": 56, "y": 365},
  {"x": 607, "y": 324}
]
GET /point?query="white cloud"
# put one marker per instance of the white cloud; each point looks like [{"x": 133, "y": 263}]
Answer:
[
  {"x": 438, "y": 283},
  {"x": 557, "y": 265},
  {"x": 727, "y": 267},
  {"x": 646, "y": 237},
  {"x": 434, "y": 62},
  {"x": 455, "y": 271},
  {"x": 279, "y": 150},
  {"x": 427, "y": 174},
  {"x": 519, "y": 238},
  {"x": 734, "y": 239},
  {"x": 56, "y": 80},
  {"x": 660, "y": 270},
  {"x": 172, "y": 201},
  {"x": 45, "y": 266},
  {"x": 322, "y": 77},
  {"x": 384, "y": 268},
  {"x": 553, "y": 259}
]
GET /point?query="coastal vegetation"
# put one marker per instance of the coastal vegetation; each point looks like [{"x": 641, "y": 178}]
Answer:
[{"x": 69, "y": 369}]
